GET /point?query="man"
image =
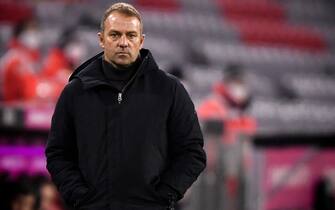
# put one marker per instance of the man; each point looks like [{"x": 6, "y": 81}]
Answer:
[
  {"x": 124, "y": 134},
  {"x": 18, "y": 65}
]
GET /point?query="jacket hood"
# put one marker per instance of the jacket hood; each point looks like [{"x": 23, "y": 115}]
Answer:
[{"x": 90, "y": 72}]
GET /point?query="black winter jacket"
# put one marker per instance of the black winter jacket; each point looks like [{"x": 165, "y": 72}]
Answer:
[{"x": 110, "y": 149}]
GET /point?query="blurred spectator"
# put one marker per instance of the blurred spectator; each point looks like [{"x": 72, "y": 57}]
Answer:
[
  {"x": 19, "y": 64},
  {"x": 228, "y": 102},
  {"x": 22, "y": 195},
  {"x": 49, "y": 197},
  {"x": 233, "y": 88},
  {"x": 65, "y": 56},
  {"x": 228, "y": 96},
  {"x": 57, "y": 64},
  {"x": 28, "y": 193},
  {"x": 57, "y": 67},
  {"x": 23, "y": 77}
]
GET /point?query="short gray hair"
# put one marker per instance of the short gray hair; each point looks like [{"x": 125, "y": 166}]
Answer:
[{"x": 123, "y": 8}]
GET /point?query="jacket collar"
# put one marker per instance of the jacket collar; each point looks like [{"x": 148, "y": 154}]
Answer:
[{"x": 90, "y": 72}]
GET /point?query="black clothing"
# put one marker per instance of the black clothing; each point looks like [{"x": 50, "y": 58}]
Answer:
[
  {"x": 118, "y": 78},
  {"x": 109, "y": 148}
]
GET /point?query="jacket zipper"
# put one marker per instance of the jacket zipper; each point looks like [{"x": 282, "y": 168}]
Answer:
[{"x": 119, "y": 97}]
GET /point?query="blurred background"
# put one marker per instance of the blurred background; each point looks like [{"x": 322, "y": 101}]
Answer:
[{"x": 260, "y": 72}]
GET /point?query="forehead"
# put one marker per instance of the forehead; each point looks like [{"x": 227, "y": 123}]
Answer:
[{"x": 121, "y": 22}]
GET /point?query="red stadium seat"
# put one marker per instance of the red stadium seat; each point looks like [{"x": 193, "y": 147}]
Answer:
[
  {"x": 167, "y": 5},
  {"x": 279, "y": 34},
  {"x": 14, "y": 12},
  {"x": 253, "y": 9},
  {"x": 264, "y": 23}
]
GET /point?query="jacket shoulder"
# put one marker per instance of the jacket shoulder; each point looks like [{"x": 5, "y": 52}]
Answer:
[
  {"x": 167, "y": 78},
  {"x": 72, "y": 88}
]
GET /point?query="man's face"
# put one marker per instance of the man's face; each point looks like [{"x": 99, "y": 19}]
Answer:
[{"x": 121, "y": 39}]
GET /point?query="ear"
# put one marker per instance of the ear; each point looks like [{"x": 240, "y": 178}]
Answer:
[
  {"x": 101, "y": 40},
  {"x": 142, "y": 40}
]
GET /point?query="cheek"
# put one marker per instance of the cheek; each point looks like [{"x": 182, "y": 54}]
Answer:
[
  {"x": 110, "y": 48},
  {"x": 109, "y": 42},
  {"x": 136, "y": 46},
  {"x": 110, "y": 45}
]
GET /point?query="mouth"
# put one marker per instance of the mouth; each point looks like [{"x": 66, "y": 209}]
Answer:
[{"x": 122, "y": 53}]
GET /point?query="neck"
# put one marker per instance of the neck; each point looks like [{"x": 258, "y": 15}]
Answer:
[
  {"x": 125, "y": 67},
  {"x": 121, "y": 67}
]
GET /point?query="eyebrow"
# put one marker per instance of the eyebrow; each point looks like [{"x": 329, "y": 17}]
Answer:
[{"x": 127, "y": 32}]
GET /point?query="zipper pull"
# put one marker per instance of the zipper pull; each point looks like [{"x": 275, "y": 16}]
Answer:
[{"x": 119, "y": 98}]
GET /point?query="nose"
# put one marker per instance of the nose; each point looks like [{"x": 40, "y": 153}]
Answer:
[{"x": 123, "y": 42}]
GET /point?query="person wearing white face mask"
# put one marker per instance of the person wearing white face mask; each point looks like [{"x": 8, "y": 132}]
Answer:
[
  {"x": 31, "y": 39},
  {"x": 224, "y": 114},
  {"x": 228, "y": 103},
  {"x": 20, "y": 63},
  {"x": 236, "y": 92},
  {"x": 230, "y": 97}
]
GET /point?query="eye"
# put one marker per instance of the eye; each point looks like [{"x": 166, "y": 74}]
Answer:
[
  {"x": 132, "y": 36},
  {"x": 114, "y": 35}
]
